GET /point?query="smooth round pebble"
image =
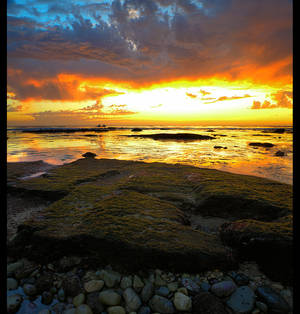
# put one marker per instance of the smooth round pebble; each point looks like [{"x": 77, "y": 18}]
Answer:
[
  {"x": 126, "y": 282},
  {"x": 79, "y": 299},
  {"x": 242, "y": 300},
  {"x": 223, "y": 288},
  {"x": 13, "y": 303},
  {"x": 45, "y": 311},
  {"x": 12, "y": 284},
  {"x": 109, "y": 297},
  {"x": 93, "y": 285},
  {"x": 116, "y": 310},
  {"x": 83, "y": 309},
  {"x": 29, "y": 289},
  {"x": 182, "y": 302},
  {"x": 132, "y": 300},
  {"x": 161, "y": 305}
]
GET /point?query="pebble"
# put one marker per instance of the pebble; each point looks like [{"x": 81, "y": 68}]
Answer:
[
  {"x": 13, "y": 303},
  {"x": 116, "y": 310},
  {"x": 144, "y": 310},
  {"x": 71, "y": 285},
  {"x": 274, "y": 300},
  {"x": 182, "y": 302},
  {"x": 70, "y": 311},
  {"x": 132, "y": 300},
  {"x": 162, "y": 291},
  {"x": 261, "y": 306},
  {"x": 173, "y": 286},
  {"x": 159, "y": 281},
  {"x": 79, "y": 299},
  {"x": 11, "y": 268},
  {"x": 242, "y": 300},
  {"x": 45, "y": 311},
  {"x": 47, "y": 298},
  {"x": 92, "y": 300},
  {"x": 183, "y": 290},
  {"x": 239, "y": 278},
  {"x": 126, "y": 282},
  {"x": 287, "y": 295},
  {"x": 137, "y": 283},
  {"x": 12, "y": 284},
  {"x": 109, "y": 297},
  {"x": 147, "y": 291},
  {"x": 110, "y": 278},
  {"x": 29, "y": 289},
  {"x": 44, "y": 283},
  {"x": 93, "y": 285},
  {"x": 205, "y": 286},
  {"x": 223, "y": 288},
  {"x": 190, "y": 285},
  {"x": 161, "y": 305},
  {"x": 83, "y": 309},
  {"x": 61, "y": 295}
]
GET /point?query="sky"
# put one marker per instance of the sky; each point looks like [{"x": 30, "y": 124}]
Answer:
[{"x": 149, "y": 62}]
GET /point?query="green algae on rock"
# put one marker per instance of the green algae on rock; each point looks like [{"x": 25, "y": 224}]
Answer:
[{"x": 135, "y": 213}]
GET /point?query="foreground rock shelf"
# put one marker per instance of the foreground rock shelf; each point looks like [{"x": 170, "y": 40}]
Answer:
[{"x": 137, "y": 215}]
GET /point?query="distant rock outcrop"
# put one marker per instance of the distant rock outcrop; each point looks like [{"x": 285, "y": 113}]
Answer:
[
  {"x": 262, "y": 144},
  {"x": 175, "y": 136}
]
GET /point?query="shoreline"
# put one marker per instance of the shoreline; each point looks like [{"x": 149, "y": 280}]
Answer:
[{"x": 122, "y": 170}]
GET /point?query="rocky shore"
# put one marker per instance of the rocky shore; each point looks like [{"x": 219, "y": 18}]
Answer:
[
  {"x": 69, "y": 286},
  {"x": 122, "y": 229}
]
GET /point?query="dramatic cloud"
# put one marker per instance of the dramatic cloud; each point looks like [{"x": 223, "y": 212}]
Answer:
[
  {"x": 88, "y": 50},
  {"x": 204, "y": 93},
  {"x": 191, "y": 95},
  {"x": 149, "y": 41},
  {"x": 282, "y": 99},
  {"x": 222, "y": 98}
]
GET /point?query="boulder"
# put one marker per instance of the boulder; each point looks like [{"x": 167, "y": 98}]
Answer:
[
  {"x": 89, "y": 155},
  {"x": 101, "y": 205}
]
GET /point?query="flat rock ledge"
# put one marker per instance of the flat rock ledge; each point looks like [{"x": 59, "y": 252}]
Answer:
[
  {"x": 136, "y": 214},
  {"x": 175, "y": 136}
]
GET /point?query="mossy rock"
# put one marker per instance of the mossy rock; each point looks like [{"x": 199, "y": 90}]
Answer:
[
  {"x": 269, "y": 243},
  {"x": 135, "y": 213}
]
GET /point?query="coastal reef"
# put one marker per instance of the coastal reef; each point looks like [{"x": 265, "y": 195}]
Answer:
[
  {"x": 140, "y": 215},
  {"x": 175, "y": 136}
]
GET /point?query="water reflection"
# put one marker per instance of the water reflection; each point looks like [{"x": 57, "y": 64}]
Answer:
[{"x": 239, "y": 157}]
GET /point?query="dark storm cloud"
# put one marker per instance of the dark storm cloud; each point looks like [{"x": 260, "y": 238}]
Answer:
[{"x": 146, "y": 41}]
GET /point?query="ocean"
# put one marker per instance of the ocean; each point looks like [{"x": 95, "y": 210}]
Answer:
[{"x": 237, "y": 157}]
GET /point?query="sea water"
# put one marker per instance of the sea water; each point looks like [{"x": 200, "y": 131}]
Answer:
[{"x": 238, "y": 157}]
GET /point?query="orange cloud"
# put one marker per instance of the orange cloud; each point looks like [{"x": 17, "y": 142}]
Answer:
[
  {"x": 191, "y": 95},
  {"x": 281, "y": 99}
]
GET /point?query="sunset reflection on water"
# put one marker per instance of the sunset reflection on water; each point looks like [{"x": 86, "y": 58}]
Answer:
[{"x": 239, "y": 157}]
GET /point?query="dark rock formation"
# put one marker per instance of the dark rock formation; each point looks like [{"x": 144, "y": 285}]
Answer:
[
  {"x": 134, "y": 214},
  {"x": 279, "y": 153},
  {"x": 262, "y": 144},
  {"x": 136, "y": 130},
  {"x": 175, "y": 136},
  {"x": 89, "y": 155}
]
